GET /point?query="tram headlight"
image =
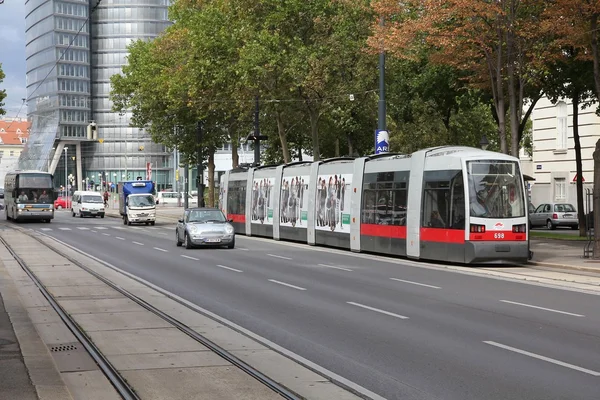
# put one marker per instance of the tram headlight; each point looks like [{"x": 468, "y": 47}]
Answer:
[
  {"x": 477, "y": 228},
  {"x": 522, "y": 228}
]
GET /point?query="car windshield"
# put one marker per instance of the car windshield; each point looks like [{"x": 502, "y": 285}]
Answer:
[
  {"x": 91, "y": 199},
  {"x": 141, "y": 201},
  {"x": 564, "y": 208},
  {"x": 495, "y": 189},
  {"x": 206, "y": 216}
]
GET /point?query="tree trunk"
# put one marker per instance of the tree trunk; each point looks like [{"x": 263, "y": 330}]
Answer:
[
  {"x": 350, "y": 149},
  {"x": 235, "y": 157},
  {"x": 282, "y": 137},
  {"x": 500, "y": 108},
  {"x": 211, "y": 177},
  {"x": 596, "y": 206},
  {"x": 314, "y": 130},
  {"x": 596, "y": 61},
  {"x": 579, "y": 168},
  {"x": 512, "y": 95},
  {"x": 337, "y": 147}
]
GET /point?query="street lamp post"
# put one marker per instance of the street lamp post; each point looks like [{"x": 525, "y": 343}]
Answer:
[{"x": 66, "y": 179}]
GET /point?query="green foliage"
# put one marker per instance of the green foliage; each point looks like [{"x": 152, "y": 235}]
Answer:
[{"x": 2, "y": 92}]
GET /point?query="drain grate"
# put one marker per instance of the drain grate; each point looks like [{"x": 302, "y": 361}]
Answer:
[{"x": 69, "y": 347}]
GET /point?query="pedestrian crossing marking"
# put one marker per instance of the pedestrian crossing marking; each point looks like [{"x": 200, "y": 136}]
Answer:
[
  {"x": 101, "y": 228},
  {"x": 83, "y": 228},
  {"x": 63, "y": 229},
  {"x": 45, "y": 229}
]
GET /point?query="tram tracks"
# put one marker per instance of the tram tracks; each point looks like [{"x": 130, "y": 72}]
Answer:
[{"x": 115, "y": 378}]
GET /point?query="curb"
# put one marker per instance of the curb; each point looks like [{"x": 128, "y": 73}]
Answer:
[{"x": 562, "y": 266}]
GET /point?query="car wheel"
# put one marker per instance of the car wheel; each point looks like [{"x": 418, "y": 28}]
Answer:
[
  {"x": 102, "y": 216},
  {"x": 186, "y": 241},
  {"x": 152, "y": 223},
  {"x": 550, "y": 225},
  {"x": 125, "y": 220},
  {"x": 72, "y": 213},
  {"x": 59, "y": 207},
  {"x": 232, "y": 244},
  {"x": 80, "y": 214},
  {"x": 575, "y": 227},
  {"x": 177, "y": 241}
]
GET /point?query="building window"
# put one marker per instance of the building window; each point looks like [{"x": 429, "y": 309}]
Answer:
[
  {"x": 560, "y": 189},
  {"x": 12, "y": 153},
  {"x": 561, "y": 125}
]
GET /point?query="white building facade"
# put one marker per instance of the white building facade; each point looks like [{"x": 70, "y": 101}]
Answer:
[{"x": 552, "y": 164}]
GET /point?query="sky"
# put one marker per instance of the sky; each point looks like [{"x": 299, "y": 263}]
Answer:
[{"x": 12, "y": 55}]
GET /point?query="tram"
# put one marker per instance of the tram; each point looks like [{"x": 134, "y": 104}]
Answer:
[{"x": 449, "y": 203}]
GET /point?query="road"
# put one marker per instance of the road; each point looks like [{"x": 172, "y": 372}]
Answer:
[{"x": 401, "y": 331}]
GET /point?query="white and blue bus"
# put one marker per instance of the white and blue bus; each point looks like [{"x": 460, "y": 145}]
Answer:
[{"x": 28, "y": 195}]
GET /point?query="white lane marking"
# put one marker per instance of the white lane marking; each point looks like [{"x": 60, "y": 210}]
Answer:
[
  {"x": 94, "y": 231},
  {"x": 191, "y": 258},
  {"x": 83, "y": 228},
  {"x": 65, "y": 229},
  {"x": 138, "y": 243},
  {"x": 106, "y": 234},
  {"x": 548, "y": 359},
  {"x": 45, "y": 229},
  {"x": 152, "y": 227},
  {"x": 229, "y": 268},
  {"x": 136, "y": 227},
  {"x": 286, "y": 284},
  {"x": 331, "y": 266},
  {"x": 415, "y": 283},
  {"x": 298, "y": 358},
  {"x": 542, "y": 308},
  {"x": 118, "y": 227},
  {"x": 159, "y": 249},
  {"x": 101, "y": 228},
  {"x": 276, "y": 256},
  {"x": 242, "y": 248},
  {"x": 120, "y": 238},
  {"x": 377, "y": 310}
]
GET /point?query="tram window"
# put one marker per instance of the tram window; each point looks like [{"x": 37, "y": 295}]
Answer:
[
  {"x": 236, "y": 197},
  {"x": 443, "y": 200},
  {"x": 384, "y": 202},
  {"x": 457, "y": 207}
]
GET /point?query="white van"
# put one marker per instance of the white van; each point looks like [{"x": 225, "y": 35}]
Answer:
[
  {"x": 87, "y": 204},
  {"x": 174, "y": 198}
]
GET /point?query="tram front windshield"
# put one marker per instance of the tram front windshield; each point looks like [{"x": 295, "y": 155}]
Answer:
[{"x": 495, "y": 189}]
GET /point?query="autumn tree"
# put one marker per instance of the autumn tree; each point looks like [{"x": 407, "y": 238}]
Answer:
[{"x": 491, "y": 41}]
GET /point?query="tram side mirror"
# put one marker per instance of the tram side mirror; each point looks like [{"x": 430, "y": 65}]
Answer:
[{"x": 230, "y": 221}]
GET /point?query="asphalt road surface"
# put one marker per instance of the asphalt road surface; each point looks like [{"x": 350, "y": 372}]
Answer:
[{"x": 401, "y": 331}]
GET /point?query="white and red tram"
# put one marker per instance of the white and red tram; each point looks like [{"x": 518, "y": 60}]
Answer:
[{"x": 456, "y": 204}]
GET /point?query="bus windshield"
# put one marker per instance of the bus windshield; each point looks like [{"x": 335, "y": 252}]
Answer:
[
  {"x": 495, "y": 189},
  {"x": 34, "y": 196}
]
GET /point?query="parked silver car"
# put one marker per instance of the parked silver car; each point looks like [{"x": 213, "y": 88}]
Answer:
[
  {"x": 552, "y": 215},
  {"x": 204, "y": 227}
]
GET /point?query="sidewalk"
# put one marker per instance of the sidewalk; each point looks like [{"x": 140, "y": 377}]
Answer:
[
  {"x": 157, "y": 360},
  {"x": 562, "y": 254}
]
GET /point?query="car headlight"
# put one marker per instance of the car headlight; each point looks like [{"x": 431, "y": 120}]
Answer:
[
  {"x": 229, "y": 229},
  {"x": 193, "y": 229}
]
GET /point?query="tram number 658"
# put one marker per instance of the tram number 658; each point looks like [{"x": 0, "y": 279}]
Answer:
[{"x": 498, "y": 235}]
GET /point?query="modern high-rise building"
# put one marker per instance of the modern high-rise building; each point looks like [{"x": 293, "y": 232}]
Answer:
[{"x": 73, "y": 47}]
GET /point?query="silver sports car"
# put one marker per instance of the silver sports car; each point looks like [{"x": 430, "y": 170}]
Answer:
[{"x": 204, "y": 227}]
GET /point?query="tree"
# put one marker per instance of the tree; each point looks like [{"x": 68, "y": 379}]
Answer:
[
  {"x": 573, "y": 78},
  {"x": 492, "y": 41},
  {"x": 2, "y": 92}
]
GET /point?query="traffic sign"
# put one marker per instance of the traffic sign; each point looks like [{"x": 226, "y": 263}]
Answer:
[
  {"x": 575, "y": 178},
  {"x": 101, "y": 140}
]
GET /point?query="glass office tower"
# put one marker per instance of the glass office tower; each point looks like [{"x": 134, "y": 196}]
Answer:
[
  {"x": 77, "y": 88},
  {"x": 125, "y": 151},
  {"x": 58, "y": 76}
]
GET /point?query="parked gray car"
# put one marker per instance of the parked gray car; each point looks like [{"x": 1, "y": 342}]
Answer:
[
  {"x": 204, "y": 227},
  {"x": 552, "y": 215}
]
